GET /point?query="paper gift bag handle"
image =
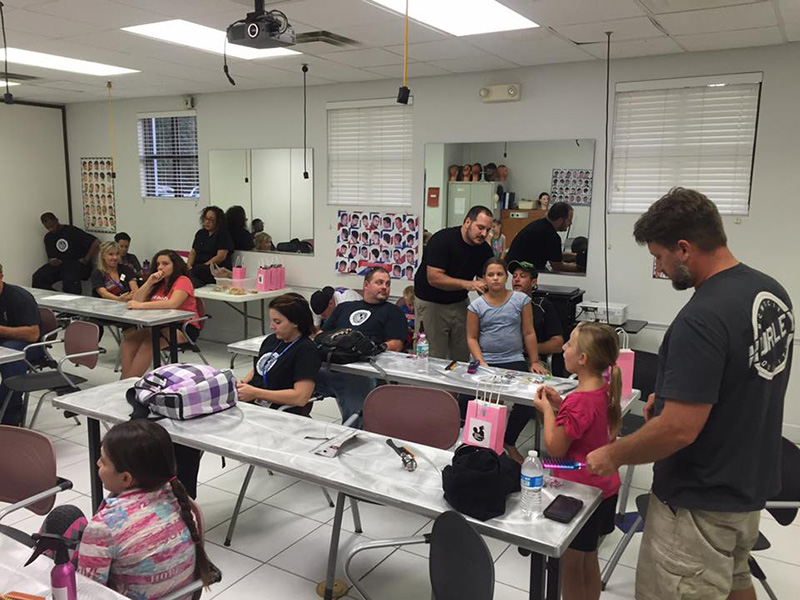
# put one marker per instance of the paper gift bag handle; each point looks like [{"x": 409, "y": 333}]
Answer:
[{"x": 624, "y": 339}]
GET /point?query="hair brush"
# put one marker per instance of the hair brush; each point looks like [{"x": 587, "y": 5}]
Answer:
[{"x": 549, "y": 462}]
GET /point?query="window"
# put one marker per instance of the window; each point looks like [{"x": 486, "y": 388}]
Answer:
[
  {"x": 369, "y": 153},
  {"x": 168, "y": 155},
  {"x": 697, "y": 133}
]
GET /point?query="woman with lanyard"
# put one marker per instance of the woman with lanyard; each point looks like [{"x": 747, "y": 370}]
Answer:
[
  {"x": 288, "y": 362},
  {"x": 112, "y": 280}
]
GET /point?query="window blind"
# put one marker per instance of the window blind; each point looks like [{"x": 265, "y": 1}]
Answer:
[
  {"x": 369, "y": 155},
  {"x": 168, "y": 156},
  {"x": 699, "y": 136}
]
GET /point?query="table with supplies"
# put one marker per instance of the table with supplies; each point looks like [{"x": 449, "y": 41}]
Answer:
[
  {"x": 209, "y": 293},
  {"x": 366, "y": 468},
  {"x": 35, "y": 578},
  {"x": 9, "y": 355},
  {"x": 118, "y": 312},
  {"x": 397, "y": 367}
]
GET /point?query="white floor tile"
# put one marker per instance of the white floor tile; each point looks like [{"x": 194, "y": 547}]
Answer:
[
  {"x": 326, "y": 408},
  {"x": 513, "y": 569},
  {"x": 68, "y": 453},
  {"x": 78, "y": 474},
  {"x": 270, "y": 583},
  {"x": 631, "y": 554},
  {"x": 234, "y": 566},
  {"x": 782, "y": 578},
  {"x": 309, "y": 556},
  {"x": 262, "y": 484},
  {"x": 218, "y": 505},
  {"x": 400, "y": 577},
  {"x": 506, "y": 592},
  {"x": 304, "y": 499},
  {"x": 211, "y": 467},
  {"x": 264, "y": 531},
  {"x": 382, "y": 522},
  {"x": 784, "y": 540},
  {"x": 496, "y": 547},
  {"x": 622, "y": 584}
]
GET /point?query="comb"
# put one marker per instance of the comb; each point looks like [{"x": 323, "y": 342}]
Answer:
[{"x": 548, "y": 462}]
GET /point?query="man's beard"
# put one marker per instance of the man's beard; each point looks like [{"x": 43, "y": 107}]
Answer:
[{"x": 682, "y": 279}]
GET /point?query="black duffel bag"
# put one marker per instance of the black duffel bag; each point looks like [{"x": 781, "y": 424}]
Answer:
[
  {"x": 478, "y": 481},
  {"x": 346, "y": 345}
]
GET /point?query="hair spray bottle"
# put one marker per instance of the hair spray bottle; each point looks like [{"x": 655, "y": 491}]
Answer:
[{"x": 62, "y": 576}]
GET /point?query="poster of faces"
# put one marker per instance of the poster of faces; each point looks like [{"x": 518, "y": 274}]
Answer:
[
  {"x": 375, "y": 239},
  {"x": 97, "y": 191},
  {"x": 573, "y": 186}
]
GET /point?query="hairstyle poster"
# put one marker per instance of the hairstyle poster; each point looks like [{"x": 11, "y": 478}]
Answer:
[
  {"x": 375, "y": 239},
  {"x": 573, "y": 186},
  {"x": 97, "y": 192}
]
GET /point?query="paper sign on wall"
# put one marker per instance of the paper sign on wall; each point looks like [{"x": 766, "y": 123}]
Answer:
[
  {"x": 573, "y": 186},
  {"x": 97, "y": 194},
  {"x": 374, "y": 239}
]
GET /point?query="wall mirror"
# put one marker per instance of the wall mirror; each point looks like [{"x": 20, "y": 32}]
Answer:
[
  {"x": 509, "y": 177},
  {"x": 269, "y": 184}
]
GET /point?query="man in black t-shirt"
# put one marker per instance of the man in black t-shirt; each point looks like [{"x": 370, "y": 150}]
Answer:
[
  {"x": 69, "y": 251},
  {"x": 19, "y": 326},
  {"x": 451, "y": 267},
  {"x": 714, "y": 423},
  {"x": 539, "y": 242},
  {"x": 382, "y": 321}
]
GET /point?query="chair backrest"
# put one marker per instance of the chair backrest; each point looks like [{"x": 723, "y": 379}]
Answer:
[
  {"x": 27, "y": 467},
  {"x": 790, "y": 482},
  {"x": 645, "y": 367},
  {"x": 416, "y": 414},
  {"x": 48, "y": 321},
  {"x": 461, "y": 566},
  {"x": 82, "y": 336}
]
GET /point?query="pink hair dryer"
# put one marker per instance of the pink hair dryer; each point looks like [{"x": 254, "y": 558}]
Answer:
[{"x": 62, "y": 576}]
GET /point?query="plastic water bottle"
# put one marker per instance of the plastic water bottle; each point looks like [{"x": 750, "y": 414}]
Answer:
[
  {"x": 421, "y": 350},
  {"x": 531, "y": 481}
]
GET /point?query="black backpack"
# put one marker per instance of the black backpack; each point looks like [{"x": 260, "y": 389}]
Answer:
[
  {"x": 343, "y": 346},
  {"x": 296, "y": 246}
]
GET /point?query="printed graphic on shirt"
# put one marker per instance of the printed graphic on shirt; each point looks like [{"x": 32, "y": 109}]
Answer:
[
  {"x": 773, "y": 332},
  {"x": 359, "y": 317},
  {"x": 266, "y": 362},
  {"x": 62, "y": 245}
]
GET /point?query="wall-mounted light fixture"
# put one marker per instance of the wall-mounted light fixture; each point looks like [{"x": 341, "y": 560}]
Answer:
[{"x": 508, "y": 92}]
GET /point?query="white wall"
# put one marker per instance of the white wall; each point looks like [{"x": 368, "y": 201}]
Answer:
[
  {"x": 32, "y": 181},
  {"x": 564, "y": 101}
]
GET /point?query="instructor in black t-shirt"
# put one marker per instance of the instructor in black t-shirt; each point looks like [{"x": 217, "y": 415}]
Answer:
[
  {"x": 714, "y": 422},
  {"x": 212, "y": 246},
  {"x": 69, "y": 251},
  {"x": 452, "y": 263},
  {"x": 539, "y": 242},
  {"x": 287, "y": 363},
  {"x": 19, "y": 326}
]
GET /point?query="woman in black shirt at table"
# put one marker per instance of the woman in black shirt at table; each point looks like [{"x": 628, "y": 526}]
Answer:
[
  {"x": 288, "y": 361},
  {"x": 111, "y": 279},
  {"x": 237, "y": 227},
  {"x": 212, "y": 246}
]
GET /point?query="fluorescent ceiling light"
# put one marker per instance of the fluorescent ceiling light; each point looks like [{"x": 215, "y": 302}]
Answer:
[
  {"x": 461, "y": 17},
  {"x": 201, "y": 37},
  {"x": 62, "y": 63},
  {"x": 10, "y": 83}
]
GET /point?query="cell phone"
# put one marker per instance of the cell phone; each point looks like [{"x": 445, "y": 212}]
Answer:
[
  {"x": 563, "y": 509},
  {"x": 453, "y": 364},
  {"x": 472, "y": 368}
]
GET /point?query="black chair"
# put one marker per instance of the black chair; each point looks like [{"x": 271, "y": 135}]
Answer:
[{"x": 460, "y": 565}]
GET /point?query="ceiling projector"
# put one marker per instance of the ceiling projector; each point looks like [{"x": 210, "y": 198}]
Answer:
[{"x": 262, "y": 29}]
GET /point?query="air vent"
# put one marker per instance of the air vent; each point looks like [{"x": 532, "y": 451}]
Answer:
[{"x": 326, "y": 37}]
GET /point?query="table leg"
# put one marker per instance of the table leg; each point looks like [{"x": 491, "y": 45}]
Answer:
[
  {"x": 263, "y": 318},
  {"x": 93, "y": 426},
  {"x": 246, "y": 324},
  {"x": 334, "y": 548},
  {"x": 173, "y": 343},
  {"x": 553, "y": 578},
  {"x": 536, "y": 591},
  {"x": 156, "y": 329}
]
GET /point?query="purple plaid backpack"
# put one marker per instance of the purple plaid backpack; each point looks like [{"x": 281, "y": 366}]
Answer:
[{"x": 182, "y": 392}]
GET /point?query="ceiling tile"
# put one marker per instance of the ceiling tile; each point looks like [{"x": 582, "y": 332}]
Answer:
[
  {"x": 328, "y": 14},
  {"x": 388, "y": 33},
  {"x": 370, "y": 57},
  {"x": 529, "y": 47},
  {"x": 474, "y": 63},
  {"x": 660, "y": 7},
  {"x": 662, "y": 45},
  {"x": 323, "y": 68},
  {"x": 186, "y": 9},
  {"x": 624, "y": 29},
  {"x": 568, "y": 12},
  {"x": 12, "y": 4},
  {"x": 446, "y": 49},
  {"x": 790, "y": 11},
  {"x": 751, "y": 16},
  {"x": 108, "y": 14},
  {"x": 45, "y": 25},
  {"x": 414, "y": 70},
  {"x": 731, "y": 39}
]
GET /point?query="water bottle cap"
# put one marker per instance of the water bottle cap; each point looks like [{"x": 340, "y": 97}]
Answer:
[{"x": 533, "y": 454}]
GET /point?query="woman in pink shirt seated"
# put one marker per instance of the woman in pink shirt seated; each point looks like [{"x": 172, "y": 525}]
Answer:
[
  {"x": 168, "y": 286},
  {"x": 587, "y": 418}
]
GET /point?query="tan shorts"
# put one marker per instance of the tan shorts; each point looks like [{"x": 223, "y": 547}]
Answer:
[
  {"x": 694, "y": 554},
  {"x": 445, "y": 328}
]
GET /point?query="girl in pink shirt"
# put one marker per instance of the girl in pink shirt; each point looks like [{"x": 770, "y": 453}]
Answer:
[{"x": 586, "y": 419}]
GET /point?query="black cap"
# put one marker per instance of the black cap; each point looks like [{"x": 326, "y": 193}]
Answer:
[
  {"x": 320, "y": 299},
  {"x": 525, "y": 266}
]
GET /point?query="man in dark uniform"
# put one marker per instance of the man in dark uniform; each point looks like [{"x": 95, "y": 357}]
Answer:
[
  {"x": 539, "y": 242},
  {"x": 70, "y": 251}
]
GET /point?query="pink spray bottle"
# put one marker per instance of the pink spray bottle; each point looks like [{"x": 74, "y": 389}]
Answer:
[{"x": 62, "y": 577}]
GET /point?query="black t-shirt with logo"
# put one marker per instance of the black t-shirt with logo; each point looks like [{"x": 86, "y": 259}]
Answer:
[
  {"x": 17, "y": 307},
  {"x": 447, "y": 250},
  {"x": 68, "y": 243},
  {"x": 206, "y": 246},
  {"x": 99, "y": 279},
  {"x": 537, "y": 243},
  {"x": 285, "y": 364},
  {"x": 731, "y": 347},
  {"x": 546, "y": 321},
  {"x": 379, "y": 322}
]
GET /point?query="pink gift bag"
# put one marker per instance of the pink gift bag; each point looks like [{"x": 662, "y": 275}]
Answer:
[
  {"x": 239, "y": 271},
  {"x": 485, "y": 425},
  {"x": 625, "y": 362},
  {"x": 262, "y": 279}
]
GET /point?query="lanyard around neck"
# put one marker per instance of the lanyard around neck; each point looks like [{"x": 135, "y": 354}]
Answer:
[{"x": 275, "y": 362}]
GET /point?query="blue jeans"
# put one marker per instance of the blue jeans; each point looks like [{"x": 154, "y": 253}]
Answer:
[
  {"x": 349, "y": 391},
  {"x": 13, "y": 414}
]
